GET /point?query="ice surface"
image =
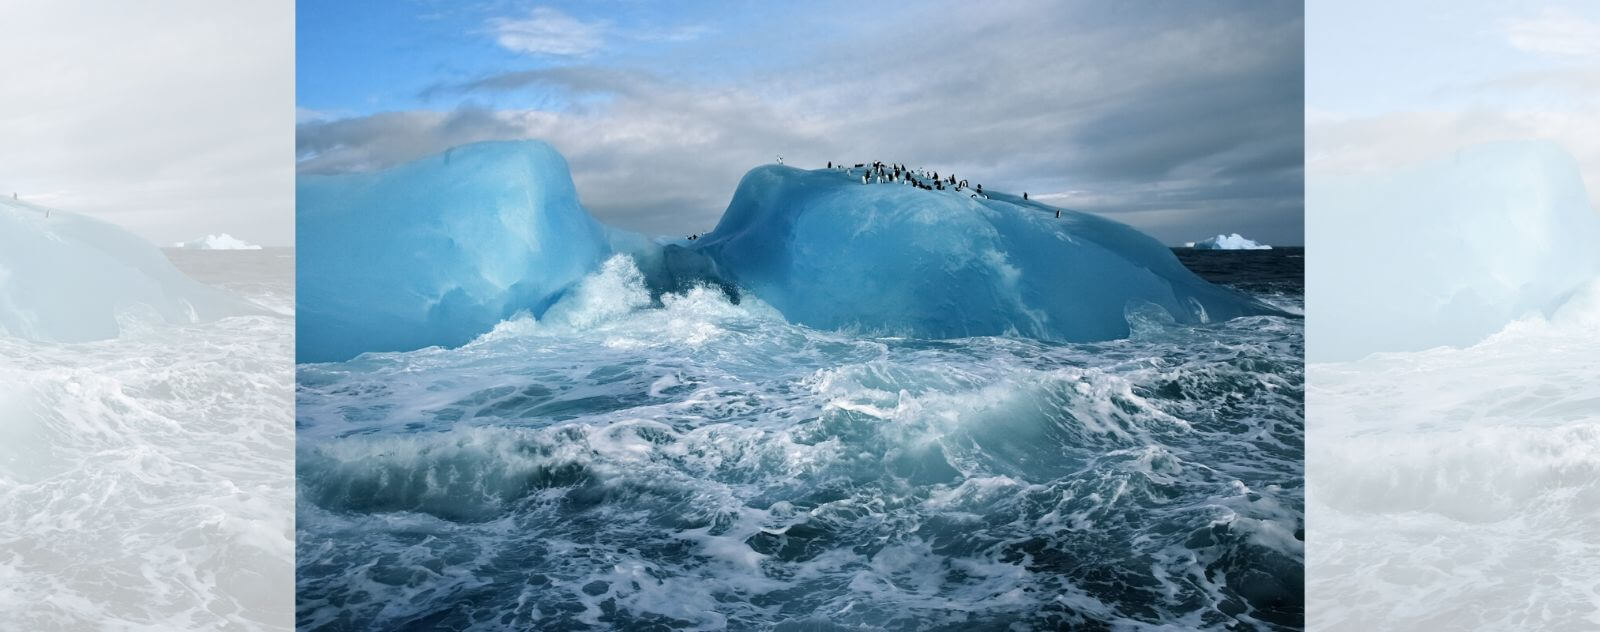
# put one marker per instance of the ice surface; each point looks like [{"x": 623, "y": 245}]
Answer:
[
  {"x": 217, "y": 242},
  {"x": 830, "y": 252},
  {"x": 65, "y": 277},
  {"x": 436, "y": 251},
  {"x": 1232, "y": 241},
  {"x": 1447, "y": 252}
]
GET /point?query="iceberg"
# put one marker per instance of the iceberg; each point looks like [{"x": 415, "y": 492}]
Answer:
[
  {"x": 830, "y": 252},
  {"x": 1447, "y": 252},
  {"x": 216, "y": 242},
  {"x": 1233, "y": 241},
  {"x": 436, "y": 251},
  {"x": 440, "y": 250},
  {"x": 65, "y": 277}
]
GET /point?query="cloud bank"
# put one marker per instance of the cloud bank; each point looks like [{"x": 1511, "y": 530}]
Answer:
[{"x": 1184, "y": 121}]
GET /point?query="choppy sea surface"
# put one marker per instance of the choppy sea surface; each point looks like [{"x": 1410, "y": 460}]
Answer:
[
  {"x": 693, "y": 464},
  {"x": 1459, "y": 488},
  {"x": 146, "y": 482}
]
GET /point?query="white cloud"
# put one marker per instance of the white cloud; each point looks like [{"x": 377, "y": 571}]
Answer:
[
  {"x": 1110, "y": 110},
  {"x": 547, "y": 31},
  {"x": 1555, "y": 32}
]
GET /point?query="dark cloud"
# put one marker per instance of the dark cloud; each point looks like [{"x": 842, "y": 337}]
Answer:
[{"x": 1185, "y": 120}]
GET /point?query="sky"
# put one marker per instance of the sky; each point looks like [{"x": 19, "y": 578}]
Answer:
[
  {"x": 1182, "y": 119},
  {"x": 1390, "y": 83},
  {"x": 172, "y": 120}
]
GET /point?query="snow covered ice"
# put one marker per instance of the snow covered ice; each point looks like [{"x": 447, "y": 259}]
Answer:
[
  {"x": 223, "y": 241},
  {"x": 1231, "y": 241},
  {"x": 65, "y": 277},
  {"x": 437, "y": 251}
]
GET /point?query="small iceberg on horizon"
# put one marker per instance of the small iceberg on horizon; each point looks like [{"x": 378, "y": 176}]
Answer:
[
  {"x": 223, "y": 241},
  {"x": 1232, "y": 241}
]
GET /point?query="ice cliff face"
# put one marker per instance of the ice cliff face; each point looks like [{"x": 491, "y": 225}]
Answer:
[
  {"x": 437, "y": 251},
  {"x": 1448, "y": 252},
  {"x": 65, "y": 277}
]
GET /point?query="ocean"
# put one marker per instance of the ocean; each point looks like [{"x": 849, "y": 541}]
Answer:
[
  {"x": 695, "y": 464},
  {"x": 146, "y": 480}
]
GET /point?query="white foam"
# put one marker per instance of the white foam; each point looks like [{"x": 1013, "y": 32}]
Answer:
[{"x": 1457, "y": 488}]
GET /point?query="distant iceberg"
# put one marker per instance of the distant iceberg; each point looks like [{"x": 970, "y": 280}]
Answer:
[
  {"x": 216, "y": 242},
  {"x": 440, "y": 250},
  {"x": 1233, "y": 241},
  {"x": 65, "y": 277}
]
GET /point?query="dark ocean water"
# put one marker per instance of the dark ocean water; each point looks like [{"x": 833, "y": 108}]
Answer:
[
  {"x": 1281, "y": 270},
  {"x": 705, "y": 465}
]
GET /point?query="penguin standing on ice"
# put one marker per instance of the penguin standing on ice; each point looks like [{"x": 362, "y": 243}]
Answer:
[
  {"x": 830, "y": 164},
  {"x": 863, "y": 178},
  {"x": 1024, "y": 195},
  {"x": 780, "y": 159},
  {"x": 1058, "y": 214}
]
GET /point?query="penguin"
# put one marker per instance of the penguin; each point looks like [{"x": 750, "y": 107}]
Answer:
[
  {"x": 1024, "y": 195},
  {"x": 863, "y": 178},
  {"x": 1058, "y": 213},
  {"x": 830, "y": 164}
]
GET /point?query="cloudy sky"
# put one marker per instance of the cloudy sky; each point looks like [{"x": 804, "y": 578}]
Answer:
[
  {"x": 1392, "y": 83},
  {"x": 173, "y": 121},
  {"x": 1183, "y": 119}
]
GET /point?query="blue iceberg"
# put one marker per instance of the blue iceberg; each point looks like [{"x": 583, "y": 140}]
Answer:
[
  {"x": 437, "y": 251},
  {"x": 1446, "y": 252},
  {"x": 830, "y": 252},
  {"x": 66, "y": 277}
]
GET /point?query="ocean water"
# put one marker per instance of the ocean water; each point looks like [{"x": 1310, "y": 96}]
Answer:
[
  {"x": 146, "y": 482},
  {"x": 1459, "y": 488},
  {"x": 695, "y": 464}
]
